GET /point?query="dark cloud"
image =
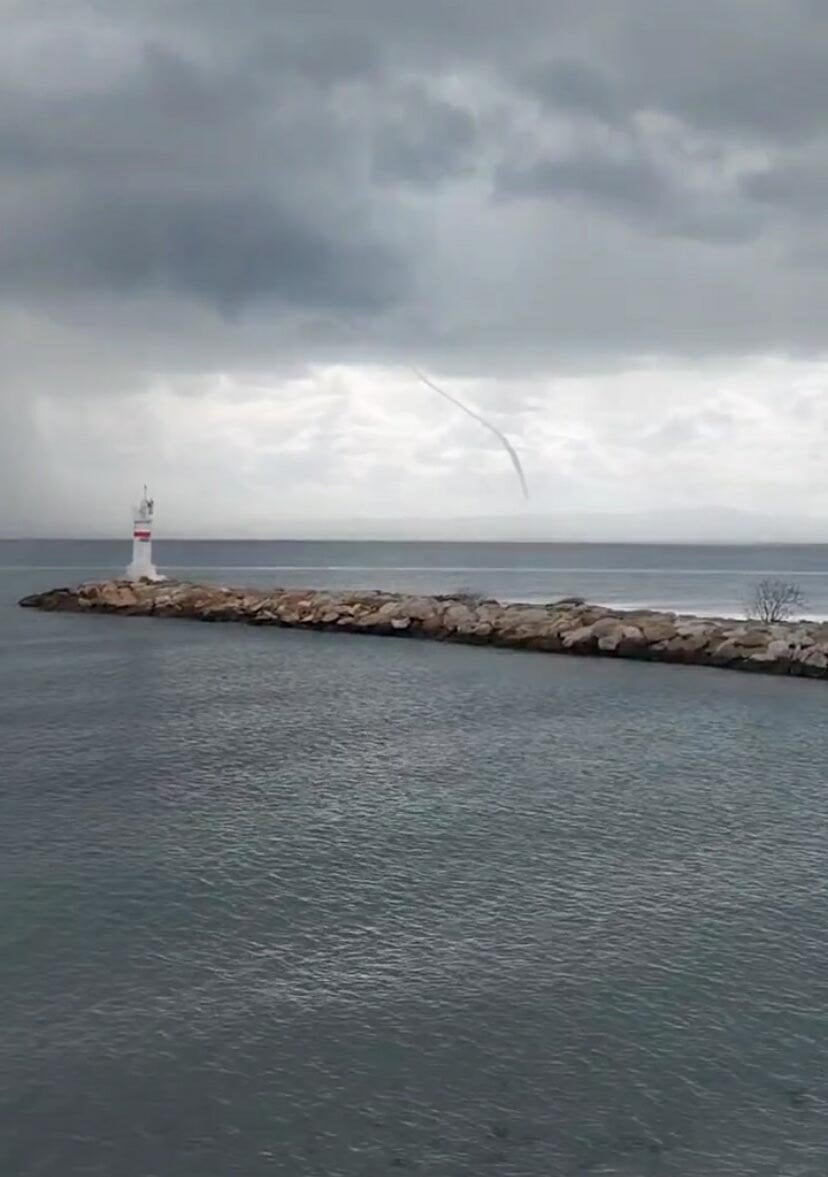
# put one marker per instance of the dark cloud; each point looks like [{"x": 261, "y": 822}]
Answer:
[
  {"x": 801, "y": 189},
  {"x": 193, "y": 180},
  {"x": 266, "y": 153},
  {"x": 325, "y": 56},
  {"x": 423, "y": 140},
  {"x": 192, "y": 186},
  {"x": 227, "y": 250},
  {"x": 751, "y": 67},
  {"x": 630, "y": 184},
  {"x": 634, "y": 187},
  {"x": 576, "y": 86}
]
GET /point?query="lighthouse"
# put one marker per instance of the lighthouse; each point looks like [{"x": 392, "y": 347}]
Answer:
[{"x": 142, "y": 565}]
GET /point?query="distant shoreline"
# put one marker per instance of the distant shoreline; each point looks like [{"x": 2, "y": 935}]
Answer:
[
  {"x": 569, "y": 626},
  {"x": 420, "y": 541}
]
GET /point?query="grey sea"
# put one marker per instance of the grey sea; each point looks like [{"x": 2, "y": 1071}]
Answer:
[{"x": 290, "y": 903}]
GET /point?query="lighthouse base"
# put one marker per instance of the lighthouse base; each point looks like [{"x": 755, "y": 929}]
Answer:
[
  {"x": 142, "y": 568},
  {"x": 150, "y": 573}
]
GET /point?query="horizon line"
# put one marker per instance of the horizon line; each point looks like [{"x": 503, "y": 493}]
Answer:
[{"x": 354, "y": 539}]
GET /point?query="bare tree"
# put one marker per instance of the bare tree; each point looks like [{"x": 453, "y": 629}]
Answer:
[{"x": 775, "y": 600}]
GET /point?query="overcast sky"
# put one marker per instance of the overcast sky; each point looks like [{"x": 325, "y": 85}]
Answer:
[{"x": 227, "y": 228}]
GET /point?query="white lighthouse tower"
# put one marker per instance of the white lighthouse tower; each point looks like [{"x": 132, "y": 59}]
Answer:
[{"x": 142, "y": 565}]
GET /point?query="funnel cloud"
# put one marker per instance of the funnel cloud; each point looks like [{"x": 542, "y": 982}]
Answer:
[{"x": 475, "y": 416}]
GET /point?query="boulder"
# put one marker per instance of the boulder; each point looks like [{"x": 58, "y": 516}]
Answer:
[
  {"x": 418, "y": 608},
  {"x": 431, "y": 625},
  {"x": 117, "y": 596},
  {"x": 528, "y": 614},
  {"x": 657, "y": 631},
  {"x": 474, "y": 630},
  {"x": 814, "y": 662},
  {"x": 750, "y": 638},
  {"x": 580, "y": 639},
  {"x": 682, "y": 647},
  {"x": 607, "y": 626},
  {"x": 55, "y": 599},
  {"x": 691, "y": 629},
  {"x": 621, "y": 639},
  {"x": 725, "y": 653},
  {"x": 457, "y": 616}
]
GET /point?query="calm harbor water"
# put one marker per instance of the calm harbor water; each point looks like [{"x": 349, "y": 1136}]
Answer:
[{"x": 287, "y": 903}]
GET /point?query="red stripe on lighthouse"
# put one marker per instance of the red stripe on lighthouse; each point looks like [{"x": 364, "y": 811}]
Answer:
[{"x": 142, "y": 535}]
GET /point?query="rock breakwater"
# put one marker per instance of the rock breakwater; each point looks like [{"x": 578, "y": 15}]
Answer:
[{"x": 563, "y": 627}]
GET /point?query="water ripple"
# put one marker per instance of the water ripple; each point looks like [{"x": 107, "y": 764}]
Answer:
[{"x": 304, "y": 904}]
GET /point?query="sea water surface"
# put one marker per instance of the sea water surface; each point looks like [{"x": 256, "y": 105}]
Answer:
[{"x": 277, "y": 902}]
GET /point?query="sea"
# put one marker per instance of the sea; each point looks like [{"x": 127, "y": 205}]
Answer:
[{"x": 281, "y": 902}]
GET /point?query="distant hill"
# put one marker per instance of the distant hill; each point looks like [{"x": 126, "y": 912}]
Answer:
[{"x": 703, "y": 525}]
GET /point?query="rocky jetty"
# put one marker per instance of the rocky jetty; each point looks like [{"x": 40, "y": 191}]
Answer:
[{"x": 568, "y": 626}]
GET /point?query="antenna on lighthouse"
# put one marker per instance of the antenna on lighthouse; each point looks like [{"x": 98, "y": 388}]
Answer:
[{"x": 142, "y": 567}]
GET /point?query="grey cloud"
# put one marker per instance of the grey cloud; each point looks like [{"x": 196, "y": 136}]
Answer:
[
  {"x": 188, "y": 180},
  {"x": 576, "y": 86},
  {"x": 794, "y": 193},
  {"x": 191, "y": 186},
  {"x": 325, "y": 57},
  {"x": 429, "y": 32},
  {"x": 689, "y": 427},
  {"x": 291, "y": 131},
  {"x": 632, "y": 186},
  {"x": 225, "y": 250},
  {"x": 748, "y": 68},
  {"x": 754, "y": 67},
  {"x": 424, "y": 141},
  {"x": 627, "y": 184},
  {"x": 798, "y": 188}
]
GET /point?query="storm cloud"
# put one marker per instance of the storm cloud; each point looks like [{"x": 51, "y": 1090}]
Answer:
[{"x": 208, "y": 206}]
